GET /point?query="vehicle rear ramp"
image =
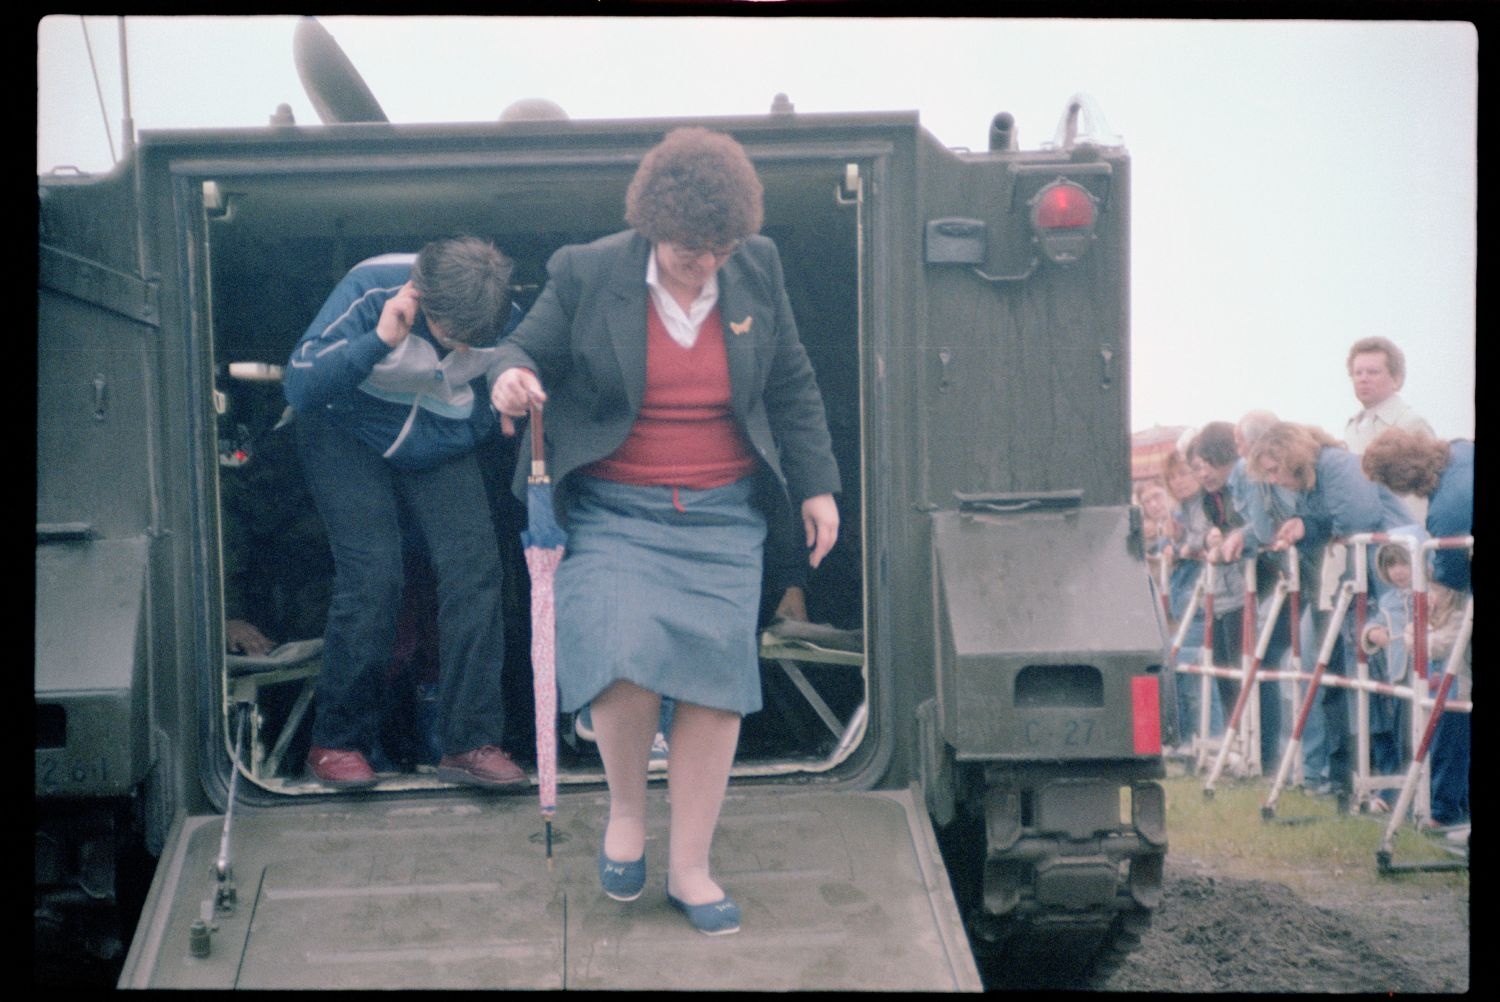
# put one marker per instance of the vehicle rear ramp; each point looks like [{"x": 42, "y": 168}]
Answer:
[{"x": 838, "y": 891}]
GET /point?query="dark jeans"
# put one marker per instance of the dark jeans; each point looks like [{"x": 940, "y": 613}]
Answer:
[
  {"x": 1334, "y": 701},
  {"x": 361, "y": 498},
  {"x": 1448, "y": 756},
  {"x": 1277, "y": 645}
]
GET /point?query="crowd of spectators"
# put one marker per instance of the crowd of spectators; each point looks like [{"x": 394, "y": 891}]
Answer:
[{"x": 1255, "y": 490}]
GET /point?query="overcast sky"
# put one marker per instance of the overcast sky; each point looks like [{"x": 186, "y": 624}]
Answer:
[{"x": 1297, "y": 185}]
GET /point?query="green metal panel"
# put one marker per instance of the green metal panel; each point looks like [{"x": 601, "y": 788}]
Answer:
[
  {"x": 96, "y": 320},
  {"x": 88, "y": 667},
  {"x": 1044, "y": 619},
  {"x": 1025, "y": 381},
  {"x": 91, "y": 415}
]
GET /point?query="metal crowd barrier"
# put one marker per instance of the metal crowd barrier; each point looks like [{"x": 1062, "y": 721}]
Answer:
[
  {"x": 1240, "y": 739},
  {"x": 1240, "y": 744}
]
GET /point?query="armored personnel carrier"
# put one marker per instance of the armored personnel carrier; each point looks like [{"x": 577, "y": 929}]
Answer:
[{"x": 951, "y": 787}]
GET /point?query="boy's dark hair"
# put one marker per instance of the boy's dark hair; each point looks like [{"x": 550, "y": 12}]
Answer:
[
  {"x": 464, "y": 283},
  {"x": 1215, "y": 444}
]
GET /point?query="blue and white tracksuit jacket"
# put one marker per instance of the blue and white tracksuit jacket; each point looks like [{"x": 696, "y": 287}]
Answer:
[{"x": 416, "y": 404}]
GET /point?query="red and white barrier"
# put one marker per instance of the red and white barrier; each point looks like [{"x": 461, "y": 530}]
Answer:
[{"x": 1241, "y": 734}]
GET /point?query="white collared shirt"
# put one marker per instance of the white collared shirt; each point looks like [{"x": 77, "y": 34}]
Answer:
[
  {"x": 1366, "y": 426},
  {"x": 1392, "y": 412},
  {"x": 681, "y": 327}
]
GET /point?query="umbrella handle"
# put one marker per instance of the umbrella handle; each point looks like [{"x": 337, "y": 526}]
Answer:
[{"x": 538, "y": 449}]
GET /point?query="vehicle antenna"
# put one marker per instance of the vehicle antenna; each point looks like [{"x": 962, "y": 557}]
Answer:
[
  {"x": 127, "y": 125},
  {"x": 108, "y": 134}
]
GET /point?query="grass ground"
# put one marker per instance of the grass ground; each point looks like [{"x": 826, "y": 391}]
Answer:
[{"x": 1305, "y": 845}]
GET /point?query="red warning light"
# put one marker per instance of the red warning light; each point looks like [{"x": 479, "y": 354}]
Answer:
[
  {"x": 1063, "y": 215},
  {"x": 1063, "y": 206}
]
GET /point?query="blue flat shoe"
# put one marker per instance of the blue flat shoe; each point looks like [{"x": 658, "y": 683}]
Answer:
[
  {"x": 622, "y": 881},
  {"x": 717, "y": 918}
]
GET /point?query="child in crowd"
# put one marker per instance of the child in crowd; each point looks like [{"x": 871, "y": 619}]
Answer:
[
  {"x": 1161, "y": 529},
  {"x": 1384, "y": 643}
]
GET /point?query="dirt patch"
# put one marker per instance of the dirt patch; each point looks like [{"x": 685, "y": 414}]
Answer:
[{"x": 1218, "y": 933}]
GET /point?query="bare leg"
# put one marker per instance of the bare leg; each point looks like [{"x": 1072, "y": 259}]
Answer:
[
  {"x": 701, "y": 751},
  {"x": 625, "y": 722}
]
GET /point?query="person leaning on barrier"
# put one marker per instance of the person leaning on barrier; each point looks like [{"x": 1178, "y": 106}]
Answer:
[
  {"x": 1210, "y": 517},
  {"x": 1263, "y": 506},
  {"x": 1440, "y": 472},
  {"x": 1215, "y": 519},
  {"x": 388, "y": 386},
  {"x": 1443, "y": 474},
  {"x": 1182, "y": 484},
  {"x": 1333, "y": 498}
]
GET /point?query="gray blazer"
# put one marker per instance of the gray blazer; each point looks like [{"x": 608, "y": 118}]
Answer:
[{"x": 586, "y": 339}]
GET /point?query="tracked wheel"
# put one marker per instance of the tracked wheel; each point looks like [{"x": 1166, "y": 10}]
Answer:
[{"x": 1034, "y": 946}]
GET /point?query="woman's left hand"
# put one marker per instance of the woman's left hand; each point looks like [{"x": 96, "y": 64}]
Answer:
[{"x": 820, "y": 517}]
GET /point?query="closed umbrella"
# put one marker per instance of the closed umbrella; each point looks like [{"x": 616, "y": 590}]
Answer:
[{"x": 543, "y": 540}]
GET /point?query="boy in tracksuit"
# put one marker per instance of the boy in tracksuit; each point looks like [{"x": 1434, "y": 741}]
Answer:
[{"x": 389, "y": 385}]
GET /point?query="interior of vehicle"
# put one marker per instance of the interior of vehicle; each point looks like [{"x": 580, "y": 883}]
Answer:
[{"x": 278, "y": 243}]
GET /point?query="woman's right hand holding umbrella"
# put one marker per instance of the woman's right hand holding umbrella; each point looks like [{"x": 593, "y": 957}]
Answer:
[{"x": 515, "y": 392}]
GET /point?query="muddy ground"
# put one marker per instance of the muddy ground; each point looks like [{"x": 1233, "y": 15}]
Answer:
[{"x": 1215, "y": 933}]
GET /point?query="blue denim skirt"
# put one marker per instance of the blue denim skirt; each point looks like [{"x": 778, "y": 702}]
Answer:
[{"x": 665, "y": 595}]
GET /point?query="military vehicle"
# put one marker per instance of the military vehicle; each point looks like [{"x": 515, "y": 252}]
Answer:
[{"x": 962, "y": 797}]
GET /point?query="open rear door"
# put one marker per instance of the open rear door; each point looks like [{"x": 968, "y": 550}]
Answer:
[{"x": 838, "y": 890}]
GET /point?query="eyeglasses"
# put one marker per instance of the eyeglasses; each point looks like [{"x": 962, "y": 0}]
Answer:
[{"x": 688, "y": 255}]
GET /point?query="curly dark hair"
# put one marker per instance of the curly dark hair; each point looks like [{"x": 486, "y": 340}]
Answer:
[
  {"x": 1408, "y": 462},
  {"x": 697, "y": 189},
  {"x": 464, "y": 283}
]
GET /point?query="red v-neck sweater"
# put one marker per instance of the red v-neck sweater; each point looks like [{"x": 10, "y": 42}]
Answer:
[{"x": 685, "y": 434}]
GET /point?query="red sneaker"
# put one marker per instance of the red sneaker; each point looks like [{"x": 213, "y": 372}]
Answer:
[
  {"x": 484, "y": 766},
  {"x": 346, "y": 770}
]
